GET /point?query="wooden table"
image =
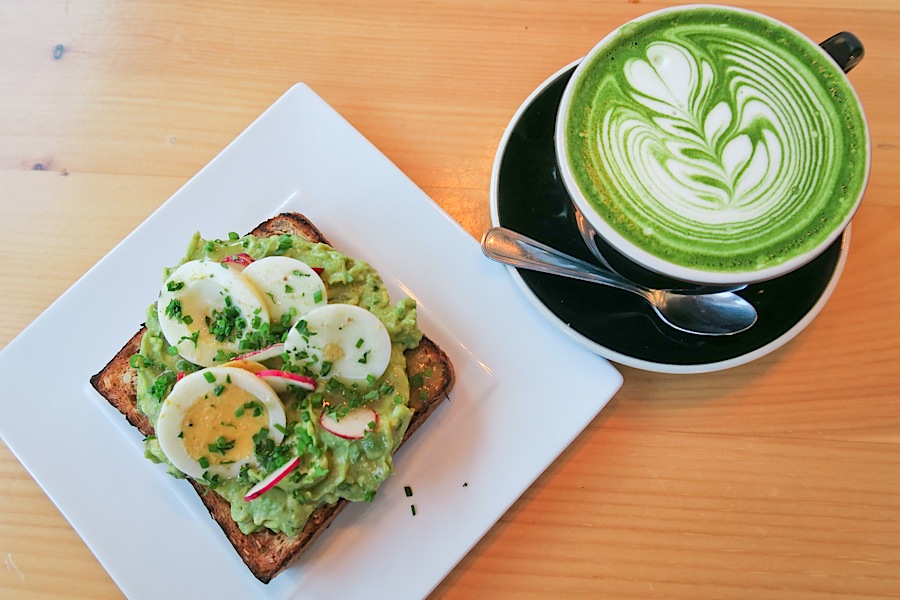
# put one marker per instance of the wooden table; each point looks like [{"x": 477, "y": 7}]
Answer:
[{"x": 777, "y": 479}]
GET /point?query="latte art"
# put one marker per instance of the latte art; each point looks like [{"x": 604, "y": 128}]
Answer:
[
  {"x": 702, "y": 163},
  {"x": 717, "y": 145}
]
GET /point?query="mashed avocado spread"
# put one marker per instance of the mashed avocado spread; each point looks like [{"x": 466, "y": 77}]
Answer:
[{"x": 331, "y": 467}]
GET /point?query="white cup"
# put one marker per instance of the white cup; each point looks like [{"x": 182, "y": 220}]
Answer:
[{"x": 650, "y": 55}]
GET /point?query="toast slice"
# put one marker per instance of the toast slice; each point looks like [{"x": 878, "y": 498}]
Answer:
[{"x": 267, "y": 553}]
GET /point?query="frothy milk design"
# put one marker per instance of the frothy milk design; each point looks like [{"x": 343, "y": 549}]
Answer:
[
  {"x": 715, "y": 147},
  {"x": 706, "y": 164}
]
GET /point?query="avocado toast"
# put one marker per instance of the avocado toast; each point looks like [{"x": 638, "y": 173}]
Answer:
[{"x": 267, "y": 552}]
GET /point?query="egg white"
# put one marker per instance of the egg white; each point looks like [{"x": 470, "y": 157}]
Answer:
[
  {"x": 196, "y": 388},
  {"x": 287, "y": 283},
  {"x": 353, "y": 341},
  {"x": 202, "y": 286}
]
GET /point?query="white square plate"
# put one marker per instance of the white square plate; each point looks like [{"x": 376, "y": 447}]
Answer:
[{"x": 524, "y": 391}]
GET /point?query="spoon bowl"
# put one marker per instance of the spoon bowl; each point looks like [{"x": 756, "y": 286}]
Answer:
[{"x": 722, "y": 313}]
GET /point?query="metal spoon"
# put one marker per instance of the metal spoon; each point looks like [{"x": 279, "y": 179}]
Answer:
[{"x": 724, "y": 313}]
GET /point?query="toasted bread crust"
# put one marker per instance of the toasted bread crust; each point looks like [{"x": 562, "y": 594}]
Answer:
[
  {"x": 266, "y": 553},
  {"x": 117, "y": 381}
]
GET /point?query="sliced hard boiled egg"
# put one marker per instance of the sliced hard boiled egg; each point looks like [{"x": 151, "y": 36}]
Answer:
[
  {"x": 287, "y": 283},
  {"x": 207, "y": 424},
  {"x": 340, "y": 340},
  {"x": 204, "y": 307}
]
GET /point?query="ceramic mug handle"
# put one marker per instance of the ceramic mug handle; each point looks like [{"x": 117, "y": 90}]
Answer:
[{"x": 845, "y": 48}]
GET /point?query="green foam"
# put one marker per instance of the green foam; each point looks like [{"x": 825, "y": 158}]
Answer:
[{"x": 670, "y": 187}]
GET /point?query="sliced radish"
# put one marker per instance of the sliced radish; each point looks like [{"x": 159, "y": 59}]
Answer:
[
  {"x": 241, "y": 260},
  {"x": 351, "y": 426},
  {"x": 273, "y": 351},
  {"x": 280, "y": 380},
  {"x": 272, "y": 479}
]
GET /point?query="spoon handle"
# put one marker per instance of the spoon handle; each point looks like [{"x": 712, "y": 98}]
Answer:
[{"x": 511, "y": 248}]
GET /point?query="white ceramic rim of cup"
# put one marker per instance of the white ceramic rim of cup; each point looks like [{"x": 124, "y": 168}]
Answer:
[{"x": 651, "y": 261}]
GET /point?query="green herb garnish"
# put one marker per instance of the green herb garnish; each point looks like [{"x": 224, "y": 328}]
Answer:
[{"x": 221, "y": 445}]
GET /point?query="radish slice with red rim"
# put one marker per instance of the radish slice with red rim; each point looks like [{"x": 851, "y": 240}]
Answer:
[
  {"x": 272, "y": 479},
  {"x": 241, "y": 260},
  {"x": 282, "y": 380},
  {"x": 351, "y": 426},
  {"x": 273, "y": 351}
]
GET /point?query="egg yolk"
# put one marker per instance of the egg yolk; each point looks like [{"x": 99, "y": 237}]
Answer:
[
  {"x": 220, "y": 428},
  {"x": 332, "y": 352}
]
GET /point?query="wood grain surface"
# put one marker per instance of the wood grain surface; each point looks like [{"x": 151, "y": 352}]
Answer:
[{"x": 777, "y": 479}]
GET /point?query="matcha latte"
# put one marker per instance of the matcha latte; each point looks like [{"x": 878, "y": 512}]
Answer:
[{"x": 713, "y": 144}]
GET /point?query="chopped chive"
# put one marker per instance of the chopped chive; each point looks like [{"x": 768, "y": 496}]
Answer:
[
  {"x": 253, "y": 405},
  {"x": 359, "y": 342},
  {"x": 413, "y": 508},
  {"x": 209, "y": 377},
  {"x": 204, "y": 462},
  {"x": 317, "y": 297},
  {"x": 221, "y": 445},
  {"x": 173, "y": 310},
  {"x": 284, "y": 243},
  {"x": 194, "y": 337},
  {"x": 408, "y": 491}
]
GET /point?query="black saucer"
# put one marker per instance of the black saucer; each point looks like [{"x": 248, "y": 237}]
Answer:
[{"x": 528, "y": 196}]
